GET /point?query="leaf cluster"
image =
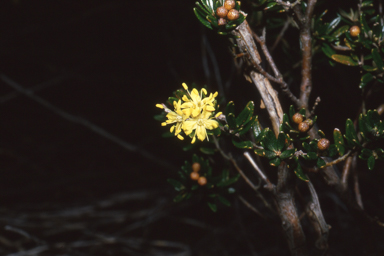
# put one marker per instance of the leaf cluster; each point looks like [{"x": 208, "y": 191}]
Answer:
[
  {"x": 206, "y": 14},
  {"x": 217, "y": 188}
]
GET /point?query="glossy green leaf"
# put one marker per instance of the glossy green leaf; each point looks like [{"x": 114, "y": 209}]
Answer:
[
  {"x": 320, "y": 162},
  {"x": 203, "y": 8},
  {"x": 224, "y": 201},
  {"x": 367, "y": 3},
  {"x": 280, "y": 143},
  {"x": 260, "y": 152},
  {"x": 369, "y": 68},
  {"x": 246, "y": 114},
  {"x": 333, "y": 24},
  {"x": 377, "y": 59},
  {"x": 350, "y": 134},
  {"x": 269, "y": 154},
  {"x": 287, "y": 153},
  {"x": 247, "y": 126},
  {"x": 332, "y": 150},
  {"x": 212, "y": 206},
  {"x": 365, "y": 28},
  {"x": 341, "y": 30},
  {"x": 257, "y": 130},
  {"x": 327, "y": 50},
  {"x": 371, "y": 162},
  {"x": 242, "y": 144},
  {"x": 230, "y": 108},
  {"x": 275, "y": 162},
  {"x": 339, "y": 141},
  {"x": 176, "y": 184},
  {"x": 343, "y": 59},
  {"x": 269, "y": 141},
  {"x": 202, "y": 19},
  {"x": 300, "y": 174},
  {"x": 231, "y": 120},
  {"x": 321, "y": 133}
]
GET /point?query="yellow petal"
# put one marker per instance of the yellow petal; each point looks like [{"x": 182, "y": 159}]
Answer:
[
  {"x": 193, "y": 139},
  {"x": 218, "y": 114},
  {"x": 195, "y": 112},
  {"x": 211, "y": 124},
  {"x": 209, "y": 108},
  {"x": 185, "y": 98},
  {"x": 180, "y": 137},
  {"x": 189, "y": 126},
  {"x": 204, "y": 91},
  {"x": 215, "y": 95},
  {"x": 163, "y": 124},
  {"x": 172, "y": 128},
  {"x": 201, "y": 132},
  {"x": 159, "y": 106},
  {"x": 185, "y": 86}
]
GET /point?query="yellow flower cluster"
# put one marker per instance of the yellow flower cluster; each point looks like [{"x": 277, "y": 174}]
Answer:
[{"x": 192, "y": 112}]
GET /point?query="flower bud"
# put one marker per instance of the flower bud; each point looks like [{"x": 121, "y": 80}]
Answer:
[
  {"x": 221, "y": 12},
  {"x": 303, "y": 127},
  {"x": 202, "y": 181},
  {"x": 354, "y": 31},
  {"x": 323, "y": 144},
  {"x": 194, "y": 176},
  {"x": 229, "y": 4},
  {"x": 233, "y": 14},
  {"x": 297, "y": 118},
  {"x": 196, "y": 167}
]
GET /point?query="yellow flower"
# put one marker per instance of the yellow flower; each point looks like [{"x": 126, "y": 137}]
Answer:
[
  {"x": 177, "y": 117},
  {"x": 193, "y": 106},
  {"x": 200, "y": 124}
]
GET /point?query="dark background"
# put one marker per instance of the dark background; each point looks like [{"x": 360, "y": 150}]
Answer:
[{"x": 73, "y": 191}]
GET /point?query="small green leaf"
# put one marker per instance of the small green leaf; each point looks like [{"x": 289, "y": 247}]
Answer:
[
  {"x": 332, "y": 151},
  {"x": 369, "y": 68},
  {"x": 341, "y": 30},
  {"x": 371, "y": 162},
  {"x": 287, "y": 153},
  {"x": 212, "y": 206},
  {"x": 339, "y": 141},
  {"x": 351, "y": 134},
  {"x": 365, "y": 154},
  {"x": 377, "y": 59},
  {"x": 270, "y": 154},
  {"x": 242, "y": 144},
  {"x": 280, "y": 143},
  {"x": 231, "y": 120},
  {"x": 270, "y": 140},
  {"x": 246, "y": 114},
  {"x": 230, "y": 108},
  {"x": 202, "y": 19},
  {"x": 256, "y": 129},
  {"x": 188, "y": 147},
  {"x": 260, "y": 152},
  {"x": 327, "y": 50},
  {"x": 208, "y": 151},
  {"x": 364, "y": 23},
  {"x": 247, "y": 126},
  {"x": 180, "y": 197},
  {"x": 292, "y": 111},
  {"x": 333, "y": 24},
  {"x": 321, "y": 133},
  {"x": 275, "y": 162},
  {"x": 299, "y": 173},
  {"x": 224, "y": 201},
  {"x": 343, "y": 59},
  {"x": 320, "y": 162}
]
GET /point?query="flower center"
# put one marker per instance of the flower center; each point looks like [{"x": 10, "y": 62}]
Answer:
[
  {"x": 200, "y": 122},
  {"x": 179, "y": 119}
]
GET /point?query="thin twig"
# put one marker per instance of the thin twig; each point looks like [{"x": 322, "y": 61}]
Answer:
[
  {"x": 269, "y": 184},
  {"x": 338, "y": 160},
  {"x": 246, "y": 203},
  {"x": 356, "y": 182},
  {"x": 281, "y": 34},
  {"x": 317, "y": 101},
  {"x": 86, "y": 123},
  {"x": 346, "y": 171}
]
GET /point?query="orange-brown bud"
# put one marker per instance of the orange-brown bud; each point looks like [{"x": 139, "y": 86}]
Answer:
[
  {"x": 354, "y": 31},
  {"x": 303, "y": 127},
  {"x": 196, "y": 167},
  {"x": 221, "y": 12},
  {"x": 202, "y": 181},
  {"x": 194, "y": 176},
  {"x": 229, "y": 4},
  {"x": 323, "y": 144},
  {"x": 297, "y": 118},
  {"x": 233, "y": 14}
]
